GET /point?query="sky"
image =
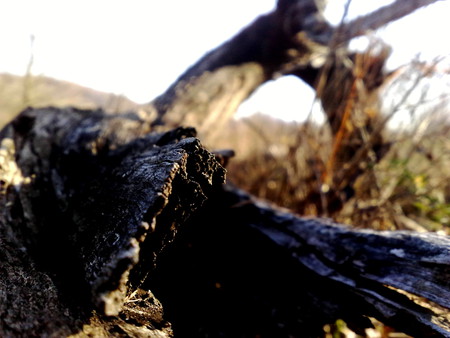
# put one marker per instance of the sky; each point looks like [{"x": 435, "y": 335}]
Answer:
[{"x": 137, "y": 48}]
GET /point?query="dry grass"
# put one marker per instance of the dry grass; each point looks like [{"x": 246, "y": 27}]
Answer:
[
  {"x": 362, "y": 173},
  {"x": 353, "y": 168}
]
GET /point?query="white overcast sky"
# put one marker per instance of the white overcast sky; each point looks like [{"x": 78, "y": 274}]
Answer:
[{"x": 138, "y": 47}]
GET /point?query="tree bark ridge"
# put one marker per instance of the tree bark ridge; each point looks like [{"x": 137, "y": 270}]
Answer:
[{"x": 97, "y": 201}]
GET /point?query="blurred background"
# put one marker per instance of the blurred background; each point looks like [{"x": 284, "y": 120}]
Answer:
[
  {"x": 383, "y": 166},
  {"x": 137, "y": 48}
]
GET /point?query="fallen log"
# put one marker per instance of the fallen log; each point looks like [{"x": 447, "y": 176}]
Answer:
[
  {"x": 88, "y": 218},
  {"x": 245, "y": 266},
  {"x": 102, "y": 217}
]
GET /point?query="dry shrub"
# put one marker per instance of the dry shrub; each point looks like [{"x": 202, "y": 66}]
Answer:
[{"x": 357, "y": 170}]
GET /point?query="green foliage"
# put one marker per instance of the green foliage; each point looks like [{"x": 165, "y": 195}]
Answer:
[{"x": 434, "y": 210}]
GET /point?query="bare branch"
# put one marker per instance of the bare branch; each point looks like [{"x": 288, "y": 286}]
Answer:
[{"x": 379, "y": 18}]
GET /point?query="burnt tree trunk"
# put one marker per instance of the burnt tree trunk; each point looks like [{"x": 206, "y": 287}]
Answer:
[
  {"x": 100, "y": 213},
  {"x": 89, "y": 201},
  {"x": 261, "y": 271}
]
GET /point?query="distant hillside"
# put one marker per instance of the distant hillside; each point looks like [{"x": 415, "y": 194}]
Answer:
[{"x": 17, "y": 93}]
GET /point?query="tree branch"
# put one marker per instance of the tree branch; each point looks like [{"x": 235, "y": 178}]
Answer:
[
  {"x": 379, "y": 18},
  {"x": 293, "y": 39}
]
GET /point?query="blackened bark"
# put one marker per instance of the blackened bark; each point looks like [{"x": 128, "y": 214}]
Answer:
[
  {"x": 89, "y": 213},
  {"x": 90, "y": 201},
  {"x": 259, "y": 270}
]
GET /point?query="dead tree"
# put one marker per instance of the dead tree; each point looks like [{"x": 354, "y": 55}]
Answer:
[{"x": 101, "y": 213}]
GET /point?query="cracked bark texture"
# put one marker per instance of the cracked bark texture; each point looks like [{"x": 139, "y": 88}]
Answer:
[
  {"x": 103, "y": 216},
  {"x": 262, "y": 271},
  {"x": 90, "y": 201}
]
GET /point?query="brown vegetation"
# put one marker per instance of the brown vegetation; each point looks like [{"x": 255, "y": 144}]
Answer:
[{"x": 399, "y": 178}]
